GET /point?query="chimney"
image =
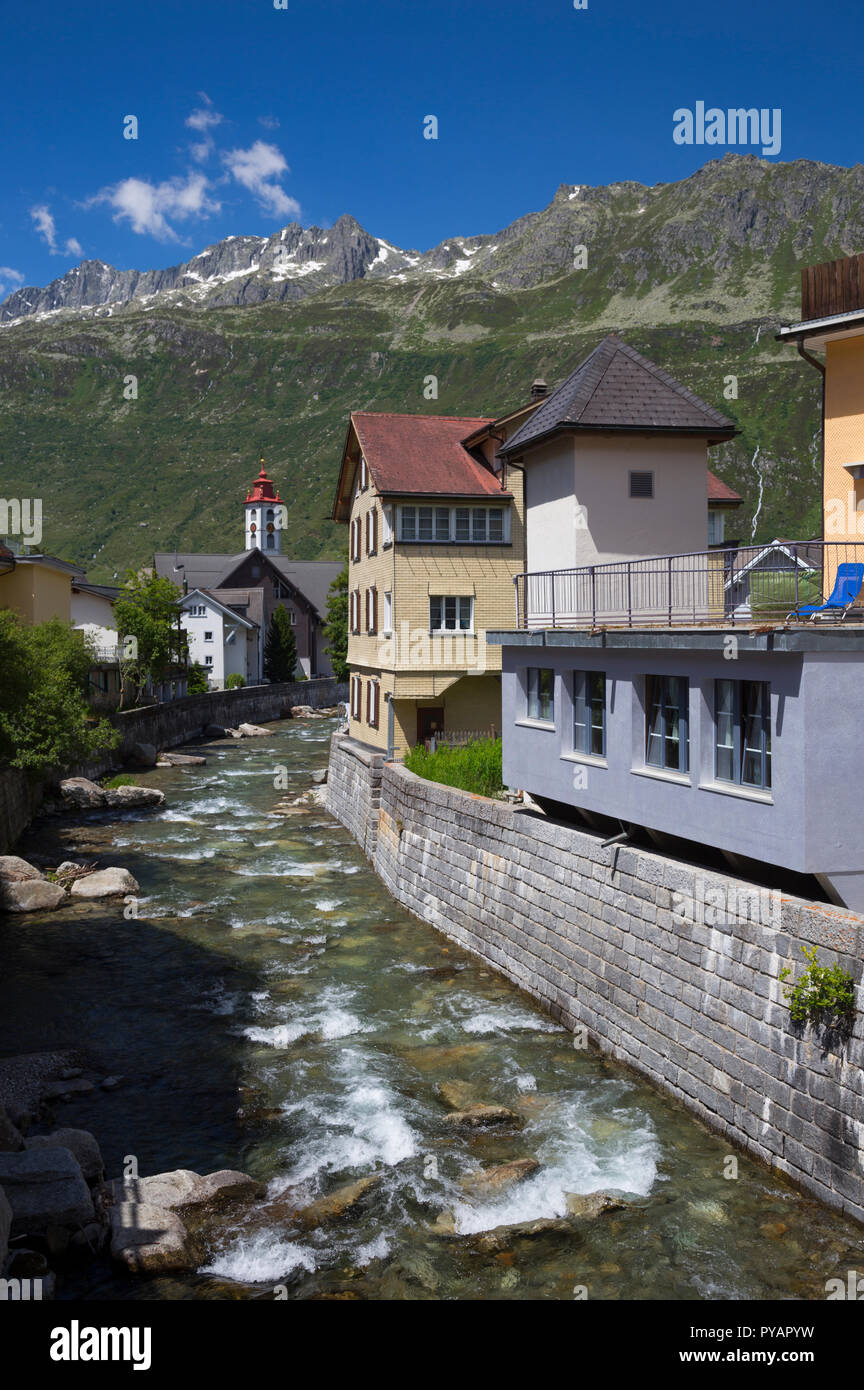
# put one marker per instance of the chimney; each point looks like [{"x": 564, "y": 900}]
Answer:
[{"x": 539, "y": 389}]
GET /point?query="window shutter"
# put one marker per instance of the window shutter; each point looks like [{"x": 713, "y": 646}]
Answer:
[
  {"x": 374, "y": 610},
  {"x": 373, "y": 517},
  {"x": 369, "y": 702}
]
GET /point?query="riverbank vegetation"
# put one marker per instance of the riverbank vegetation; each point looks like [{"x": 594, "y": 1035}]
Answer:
[
  {"x": 45, "y": 721},
  {"x": 475, "y": 767}
]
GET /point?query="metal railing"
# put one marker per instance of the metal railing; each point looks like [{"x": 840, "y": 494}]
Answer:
[{"x": 741, "y": 584}]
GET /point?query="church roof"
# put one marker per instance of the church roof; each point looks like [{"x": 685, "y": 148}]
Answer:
[
  {"x": 312, "y": 578},
  {"x": 262, "y": 489}
]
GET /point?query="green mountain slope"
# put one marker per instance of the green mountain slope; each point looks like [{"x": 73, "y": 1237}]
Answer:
[{"x": 697, "y": 275}]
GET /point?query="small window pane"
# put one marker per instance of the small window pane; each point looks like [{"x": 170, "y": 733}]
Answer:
[
  {"x": 409, "y": 524},
  {"x": 541, "y": 701},
  {"x": 496, "y": 524},
  {"x": 478, "y": 524},
  {"x": 442, "y": 523},
  {"x": 463, "y": 524},
  {"x": 424, "y": 523},
  {"x": 465, "y": 605}
]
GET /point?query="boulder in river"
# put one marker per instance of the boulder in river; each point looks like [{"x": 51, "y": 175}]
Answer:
[
  {"x": 17, "y": 870},
  {"x": 479, "y": 1116},
  {"x": 149, "y": 1240},
  {"x": 30, "y": 895},
  {"x": 45, "y": 1187},
  {"x": 253, "y": 731},
  {"x": 183, "y": 1191},
  {"x": 105, "y": 883},
  {"x": 134, "y": 796},
  {"x": 490, "y": 1181},
  {"x": 302, "y": 711},
  {"x": 80, "y": 1142},
  {"x": 181, "y": 760},
  {"x": 142, "y": 755},
  {"x": 81, "y": 793},
  {"x": 587, "y": 1205},
  {"x": 324, "y": 1211}
]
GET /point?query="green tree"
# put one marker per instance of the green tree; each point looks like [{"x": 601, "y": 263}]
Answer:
[
  {"x": 336, "y": 626},
  {"x": 45, "y": 720},
  {"x": 197, "y": 683},
  {"x": 147, "y": 622},
  {"x": 280, "y": 649}
]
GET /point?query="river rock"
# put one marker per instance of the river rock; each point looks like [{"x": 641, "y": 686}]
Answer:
[
  {"x": 5, "y": 1227},
  {"x": 81, "y": 793},
  {"x": 586, "y": 1205},
  {"x": 80, "y": 1142},
  {"x": 149, "y": 1239},
  {"x": 30, "y": 895},
  {"x": 493, "y": 1180},
  {"x": 105, "y": 883},
  {"x": 479, "y": 1116},
  {"x": 253, "y": 731},
  {"x": 459, "y": 1095},
  {"x": 133, "y": 796},
  {"x": 301, "y": 711},
  {"x": 335, "y": 1206},
  {"x": 502, "y": 1237},
  {"x": 66, "y": 1088},
  {"x": 45, "y": 1187},
  {"x": 11, "y": 1139},
  {"x": 183, "y": 1190},
  {"x": 17, "y": 870},
  {"x": 182, "y": 760},
  {"x": 142, "y": 755}
]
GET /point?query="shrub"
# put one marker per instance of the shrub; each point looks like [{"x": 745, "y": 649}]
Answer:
[
  {"x": 235, "y": 681},
  {"x": 45, "y": 720},
  {"x": 336, "y": 626},
  {"x": 197, "y": 683},
  {"x": 822, "y": 995},
  {"x": 476, "y": 767},
  {"x": 121, "y": 780},
  {"x": 280, "y": 649}
]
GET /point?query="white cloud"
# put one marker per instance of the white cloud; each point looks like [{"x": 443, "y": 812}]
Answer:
[
  {"x": 147, "y": 206},
  {"x": 269, "y": 122},
  {"x": 47, "y": 229},
  {"x": 259, "y": 168},
  {"x": 204, "y": 117},
  {"x": 9, "y": 278}
]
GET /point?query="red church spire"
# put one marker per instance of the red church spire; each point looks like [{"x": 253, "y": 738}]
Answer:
[{"x": 262, "y": 489}]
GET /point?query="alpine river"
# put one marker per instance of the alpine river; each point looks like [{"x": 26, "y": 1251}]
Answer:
[{"x": 273, "y": 1010}]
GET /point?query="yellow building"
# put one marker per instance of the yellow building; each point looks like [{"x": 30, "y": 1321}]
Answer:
[
  {"x": 39, "y": 587},
  {"x": 436, "y": 536},
  {"x": 832, "y": 323}
]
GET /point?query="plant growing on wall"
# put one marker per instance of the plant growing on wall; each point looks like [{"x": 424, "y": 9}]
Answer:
[
  {"x": 235, "y": 681},
  {"x": 280, "y": 651},
  {"x": 198, "y": 683},
  {"x": 823, "y": 994},
  {"x": 336, "y": 626}
]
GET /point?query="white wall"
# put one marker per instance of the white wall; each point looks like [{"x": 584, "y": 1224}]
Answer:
[{"x": 95, "y": 617}]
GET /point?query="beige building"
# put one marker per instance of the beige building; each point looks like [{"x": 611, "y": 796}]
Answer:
[{"x": 436, "y": 536}]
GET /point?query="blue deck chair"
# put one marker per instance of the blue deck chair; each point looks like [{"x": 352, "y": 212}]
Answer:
[{"x": 847, "y": 587}]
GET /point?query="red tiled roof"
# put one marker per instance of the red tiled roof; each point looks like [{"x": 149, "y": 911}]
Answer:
[
  {"x": 718, "y": 491},
  {"x": 423, "y": 454}
]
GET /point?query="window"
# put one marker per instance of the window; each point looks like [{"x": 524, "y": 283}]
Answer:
[
  {"x": 355, "y": 538},
  {"x": 641, "y": 484},
  {"x": 453, "y": 525},
  {"x": 356, "y": 697},
  {"x": 199, "y": 611},
  {"x": 541, "y": 694},
  {"x": 364, "y": 475},
  {"x": 448, "y": 614},
  {"x": 387, "y": 527},
  {"x": 742, "y": 722},
  {"x": 589, "y": 713},
  {"x": 208, "y": 660},
  {"x": 371, "y": 532},
  {"x": 387, "y": 616},
  {"x": 355, "y": 610},
  {"x": 716, "y": 527},
  {"x": 208, "y": 636},
  {"x": 292, "y": 617},
  {"x": 666, "y": 721},
  {"x": 372, "y": 700},
  {"x": 371, "y": 610}
]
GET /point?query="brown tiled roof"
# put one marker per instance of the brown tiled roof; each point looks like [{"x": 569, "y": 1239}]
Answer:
[
  {"x": 616, "y": 388},
  {"x": 423, "y": 454},
  {"x": 718, "y": 491}
]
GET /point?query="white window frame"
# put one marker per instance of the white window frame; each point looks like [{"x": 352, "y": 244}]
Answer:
[
  {"x": 474, "y": 515},
  {"x": 387, "y": 613},
  {"x": 458, "y": 600},
  {"x": 387, "y": 526}
]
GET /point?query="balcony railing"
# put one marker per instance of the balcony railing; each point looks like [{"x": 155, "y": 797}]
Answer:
[{"x": 746, "y": 585}]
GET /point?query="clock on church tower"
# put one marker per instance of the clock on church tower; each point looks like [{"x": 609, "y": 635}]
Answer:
[{"x": 265, "y": 515}]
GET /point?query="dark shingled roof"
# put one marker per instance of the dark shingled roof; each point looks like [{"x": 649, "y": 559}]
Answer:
[
  {"x": 214, "y": 571},
  {"x": 616, "y": 388}
]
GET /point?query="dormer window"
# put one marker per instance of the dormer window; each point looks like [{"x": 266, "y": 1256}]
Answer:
[{"x": 364, "y": 474}]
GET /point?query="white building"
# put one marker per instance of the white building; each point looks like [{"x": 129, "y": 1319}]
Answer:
[{"x": 220, "y": 639}]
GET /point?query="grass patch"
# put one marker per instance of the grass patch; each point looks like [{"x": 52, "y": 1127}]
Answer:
[
  {"x": 121, "y": 780},
  {"x": 474, "y": 768}
]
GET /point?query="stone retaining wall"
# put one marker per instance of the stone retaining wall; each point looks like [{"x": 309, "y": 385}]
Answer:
[
  {"x": 671, "y": 969},
  {"x": 166, "y": 726}
]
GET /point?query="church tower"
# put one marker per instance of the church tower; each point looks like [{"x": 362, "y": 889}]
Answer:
[{"x": 265, "y": 513}]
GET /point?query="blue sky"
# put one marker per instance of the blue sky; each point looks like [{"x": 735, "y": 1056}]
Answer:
[{"x": 317, "y": 109}]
